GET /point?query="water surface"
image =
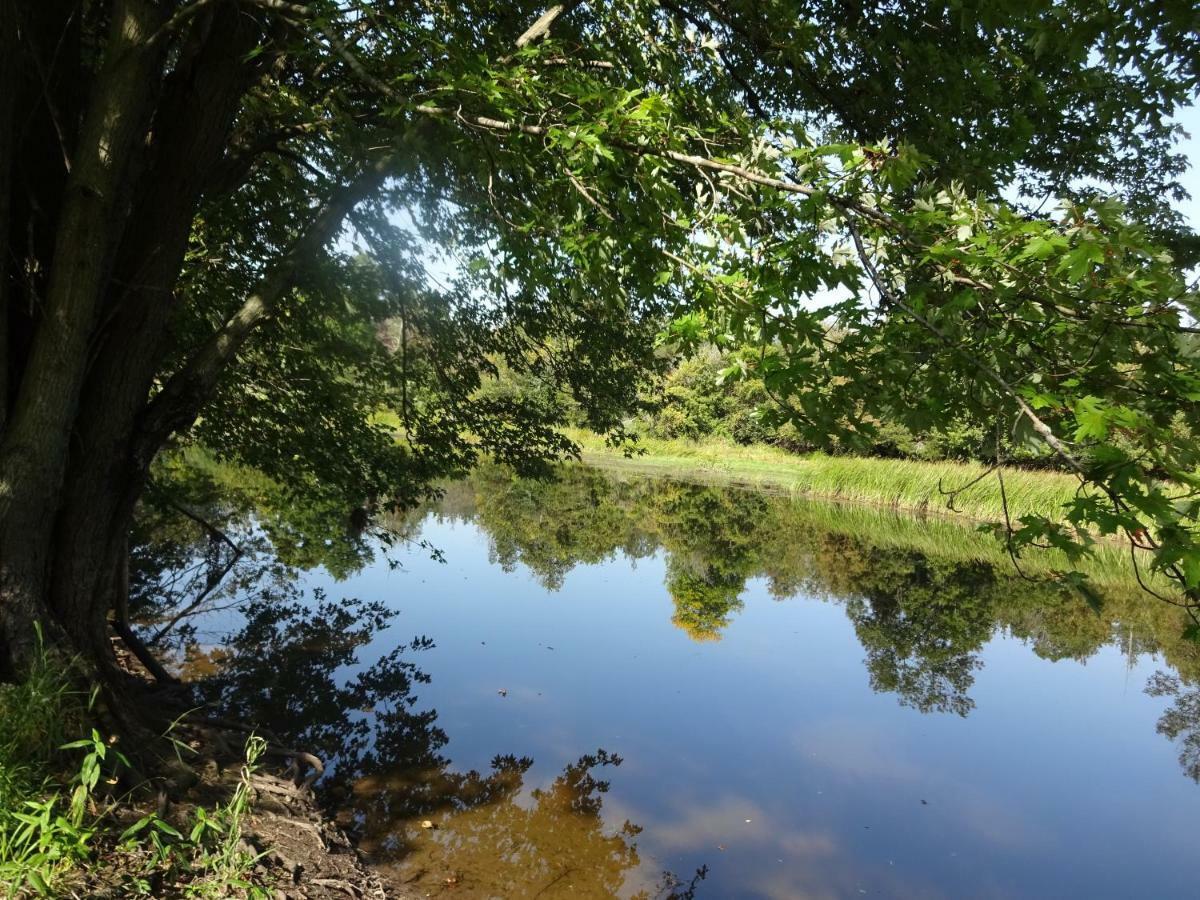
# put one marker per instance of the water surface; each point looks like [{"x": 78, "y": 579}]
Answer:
[{"x": 602, "y": 687}]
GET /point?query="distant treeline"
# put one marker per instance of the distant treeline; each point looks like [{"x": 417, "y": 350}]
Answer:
[
  {"x": 696, "y": 399},
  {"x": 695, "y": 402}
]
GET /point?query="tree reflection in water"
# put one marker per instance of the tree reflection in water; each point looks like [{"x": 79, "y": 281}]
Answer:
[
  {"x": 923, "y": 598},
  {"x": 1181, "y": 722},
  {"x": 924, "y": 595},
  {"x": 492, "y": 836},
  {"x": 284, "y": 671}
]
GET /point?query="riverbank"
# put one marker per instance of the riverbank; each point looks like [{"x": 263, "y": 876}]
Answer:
[
  {"x": 950, "y": 488},
  {"x": 224, "y": 813}
]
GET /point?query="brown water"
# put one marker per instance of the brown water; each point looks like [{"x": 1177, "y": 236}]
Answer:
[{"x": 647, "y": 688}]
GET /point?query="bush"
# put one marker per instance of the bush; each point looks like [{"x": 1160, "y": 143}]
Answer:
[{"x": 56, "y": 815}]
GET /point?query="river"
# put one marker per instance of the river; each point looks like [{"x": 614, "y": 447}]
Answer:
[{"x": 610, "y": 686}]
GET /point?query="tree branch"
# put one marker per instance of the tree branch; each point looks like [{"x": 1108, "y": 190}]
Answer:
[
  {"x": 178, "y": 403},
  {"x": 991, "y": 374},
  {"x": 211, "y": 584},
  {"x": 541, "y": 27},
  {"x": 488, "y": 123},
  {"x": 186, "y": 12}
]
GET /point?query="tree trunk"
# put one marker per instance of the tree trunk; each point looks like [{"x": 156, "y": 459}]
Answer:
[
  {"x": 8, "y": 94},
  {"x": 104, "y": 479},
  {"x": 37, "y": 435},
  {"x": 109, "y": 220}
]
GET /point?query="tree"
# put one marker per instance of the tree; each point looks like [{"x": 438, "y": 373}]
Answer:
[{"x": 209, "y": 206}]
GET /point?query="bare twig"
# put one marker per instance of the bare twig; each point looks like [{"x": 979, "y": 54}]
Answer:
[
  {"x": 953, "y": 493},
  {"x": 583, "y": 192}
]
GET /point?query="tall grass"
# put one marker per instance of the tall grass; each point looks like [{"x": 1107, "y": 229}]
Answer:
[
  {"x": 899, "y": 483},
  {"x": 42, "y": 832},
  {"x": 59, "y": 822}
]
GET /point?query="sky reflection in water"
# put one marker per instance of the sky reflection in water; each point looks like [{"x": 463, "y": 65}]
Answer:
[{"x": 723, "y": 686}]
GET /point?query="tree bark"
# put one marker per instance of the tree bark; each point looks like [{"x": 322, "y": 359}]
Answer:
[
  {"x": 34, "y": 449},
  {"x": 49, "y": 90},
  {"x": 103, "y": 481},
  {"x": 8, "y": 96}
]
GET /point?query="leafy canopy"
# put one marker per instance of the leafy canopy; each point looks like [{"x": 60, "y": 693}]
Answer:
[{"x": 827, "y": 186}]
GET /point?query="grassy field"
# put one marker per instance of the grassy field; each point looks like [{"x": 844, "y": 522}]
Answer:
[{"x": 896, "y": 483}]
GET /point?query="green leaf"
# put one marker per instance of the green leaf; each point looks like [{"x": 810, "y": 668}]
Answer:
[{"x": 1092, "y": 417}]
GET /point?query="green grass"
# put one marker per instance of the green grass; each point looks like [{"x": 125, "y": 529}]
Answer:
[
  {"x": 896, "y": 483},
  {"x": 43, "y": 831},
  {"x": 61, "y": 828}
]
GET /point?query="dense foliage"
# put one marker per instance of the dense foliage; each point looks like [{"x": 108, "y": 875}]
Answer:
[{"x": 695, "y": 401}]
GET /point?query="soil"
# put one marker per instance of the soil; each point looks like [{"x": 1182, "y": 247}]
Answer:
[
  {"x": 303, "y": 853},
  {"x": 307, "y": 857}
]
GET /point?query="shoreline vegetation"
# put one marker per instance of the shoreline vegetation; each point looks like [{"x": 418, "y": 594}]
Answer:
[
  {"x": 910, "y": 485},
  {"x": 273, "y": 271},
  {"x": 907, "y": 499},
  {"x": 903, "y": 503},
  {"x": 222, "y": 818}
]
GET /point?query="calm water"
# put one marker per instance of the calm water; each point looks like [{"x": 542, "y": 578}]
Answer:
[{"x": 652, "y": 689}]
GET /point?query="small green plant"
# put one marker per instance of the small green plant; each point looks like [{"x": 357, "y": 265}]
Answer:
[
  {"x": 43, "y": 832},
  {"x": 56, "y": 818},
  {"x": 210, "y": 860},
  {"x": 51, "y": 833},
  {"x": 221, "y": 853}
]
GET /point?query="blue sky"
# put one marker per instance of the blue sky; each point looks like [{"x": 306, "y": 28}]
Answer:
[{"x": 1190, "y": 120}]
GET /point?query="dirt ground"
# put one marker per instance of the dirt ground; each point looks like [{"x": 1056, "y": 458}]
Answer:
[{"x": 302, "y": 853}]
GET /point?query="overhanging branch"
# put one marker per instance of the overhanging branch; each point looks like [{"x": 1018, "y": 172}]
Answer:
[
  {"x": 743, "y": 173},
  {"x": 179, "y": 402}
]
